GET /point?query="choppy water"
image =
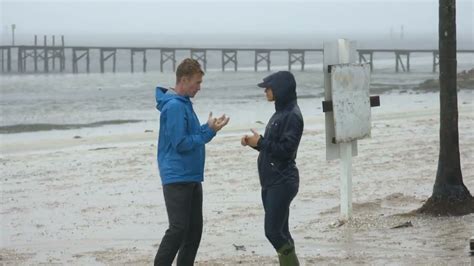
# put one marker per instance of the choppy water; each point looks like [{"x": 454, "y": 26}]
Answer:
[{"x": 31, "y": 103}]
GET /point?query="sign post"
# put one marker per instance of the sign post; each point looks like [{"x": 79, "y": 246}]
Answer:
[{"x": 347, "y": 110}]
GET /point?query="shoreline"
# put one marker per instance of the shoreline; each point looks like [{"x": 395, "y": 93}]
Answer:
[{"x": 20, "y": 146}]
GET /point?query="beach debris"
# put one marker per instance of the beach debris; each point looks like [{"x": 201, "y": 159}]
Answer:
[
  {"x": 465, "y": 80},
  {"x": 102, "y": 148},
  {"x": 338, "y": 223},
  {"x": 239, "y": 247},
  {"x": 403, "y": 225},
  {"x": 77, "y": 137},
  {"x": 259, "y": 122},
  {"x": 148, "y": 131}
]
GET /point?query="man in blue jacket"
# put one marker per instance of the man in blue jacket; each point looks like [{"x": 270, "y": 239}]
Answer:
[{"x": 181, "y": 155}]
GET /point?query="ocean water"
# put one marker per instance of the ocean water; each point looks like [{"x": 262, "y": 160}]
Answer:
[{"x": 49, "y": 105}]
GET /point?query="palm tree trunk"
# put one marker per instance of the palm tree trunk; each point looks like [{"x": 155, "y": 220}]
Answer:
[{"x": 450, "y": 195}]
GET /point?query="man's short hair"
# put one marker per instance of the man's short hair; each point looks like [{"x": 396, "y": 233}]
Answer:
[{"x": 187, "y": 68}]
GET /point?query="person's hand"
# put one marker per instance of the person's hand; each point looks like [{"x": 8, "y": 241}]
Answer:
[
  {"x": 252, "y": 141},
  {"x": 221, "y": 119},
  {"x": 217, "y": 123},
  {"x": 211, "y": 120},
  {"x": 243, "y": 141},
  {"x": 222, "y": 122}
]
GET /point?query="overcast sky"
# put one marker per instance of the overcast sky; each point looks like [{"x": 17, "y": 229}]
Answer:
[{"x": 339, "y": 17}]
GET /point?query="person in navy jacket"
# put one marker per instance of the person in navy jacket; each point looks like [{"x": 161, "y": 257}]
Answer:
[
  {"x": 181, "y": 156},
  {"x": 277, "y": 169}
]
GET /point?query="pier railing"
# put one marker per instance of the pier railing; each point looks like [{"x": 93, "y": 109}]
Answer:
[{"x": 52, "y": 57}]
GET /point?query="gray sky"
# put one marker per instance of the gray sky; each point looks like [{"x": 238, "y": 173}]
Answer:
[{"x": 376, "y": 18}]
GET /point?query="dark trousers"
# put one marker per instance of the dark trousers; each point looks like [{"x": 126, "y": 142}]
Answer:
[
  {"x": 184, "y": 206},
  {"x": 276, "y": 202}
]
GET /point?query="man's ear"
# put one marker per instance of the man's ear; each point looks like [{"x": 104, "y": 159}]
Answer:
[{"x": 182, "y": 79}]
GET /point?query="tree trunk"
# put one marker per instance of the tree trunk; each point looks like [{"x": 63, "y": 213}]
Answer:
[{"x": 450, "y": 195}]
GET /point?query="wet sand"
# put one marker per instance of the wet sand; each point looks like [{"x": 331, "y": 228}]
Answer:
[{"x": 98, "y": 200}]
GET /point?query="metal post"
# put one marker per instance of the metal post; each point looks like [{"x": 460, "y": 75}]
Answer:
[
  {"x": 20, "y": 60},
  {"x": 397, "y": 57},
  {"x": 9, "y": 59},
  {"x": 88, "y": 61},
  {"x": 256, "y": 61},
  {"x": 101, "y": 60},
  {"x": 13, "y": 34},
  {"x": 289, "y": 60},
  {"x": 174, "y": 61},
  {"x": 144, "y": 61},
  {"x": 54, "y": 53},
  {"x": 132, "y": 53},
  {"x": 74, "y": 61},
  {"x": 45, "y": 56},
  {"x": 36, "y": 54},
  {"x": 222, "y": 61},
  {"x": 371, "y": 61},
  {"x": 114, "y": 61},
  {"x": 408, "y": 62},
  {"x": 63, "y": 55}
]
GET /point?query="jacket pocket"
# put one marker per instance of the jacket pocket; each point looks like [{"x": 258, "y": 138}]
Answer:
[
  {"x": 174, "y": 165},
  {"x": 193, "y": 162},
  {"x": 278, "y": 168}
]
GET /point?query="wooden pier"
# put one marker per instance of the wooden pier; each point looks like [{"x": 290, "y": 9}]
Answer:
[{"x": 80, "y": 57}]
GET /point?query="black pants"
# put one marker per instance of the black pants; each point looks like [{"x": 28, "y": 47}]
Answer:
[
  {"x": 184, "y": 206},
  {"x": 276, "y": 202}
]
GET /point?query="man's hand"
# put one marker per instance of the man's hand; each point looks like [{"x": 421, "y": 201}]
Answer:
[
  {"x": 217, "y": 123},
  {"x": 211, "y": 120},
  {"x": 252, "y": 141},
  {"x": 222, "y": 118}
]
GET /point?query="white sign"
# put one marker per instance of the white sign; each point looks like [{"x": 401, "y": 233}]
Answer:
[{"x": 351, "y": 101}]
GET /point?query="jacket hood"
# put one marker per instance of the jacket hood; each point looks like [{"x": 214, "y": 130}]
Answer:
[
  {"x": 283, "y": 85},
  {"x": 163, "y": 95}
]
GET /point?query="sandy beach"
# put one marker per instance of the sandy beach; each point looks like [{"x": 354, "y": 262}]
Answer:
[
  {"x": 79, "y": 178},
  {"x": 97, "y": 200}
]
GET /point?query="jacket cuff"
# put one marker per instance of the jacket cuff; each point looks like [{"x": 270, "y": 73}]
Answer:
[{"x": 209, "y": 133}]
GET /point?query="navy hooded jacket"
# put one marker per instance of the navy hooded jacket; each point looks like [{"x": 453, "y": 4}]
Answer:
[
  {"x": 279, "y": 145},
  {"x": 181, "y": 141}
]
